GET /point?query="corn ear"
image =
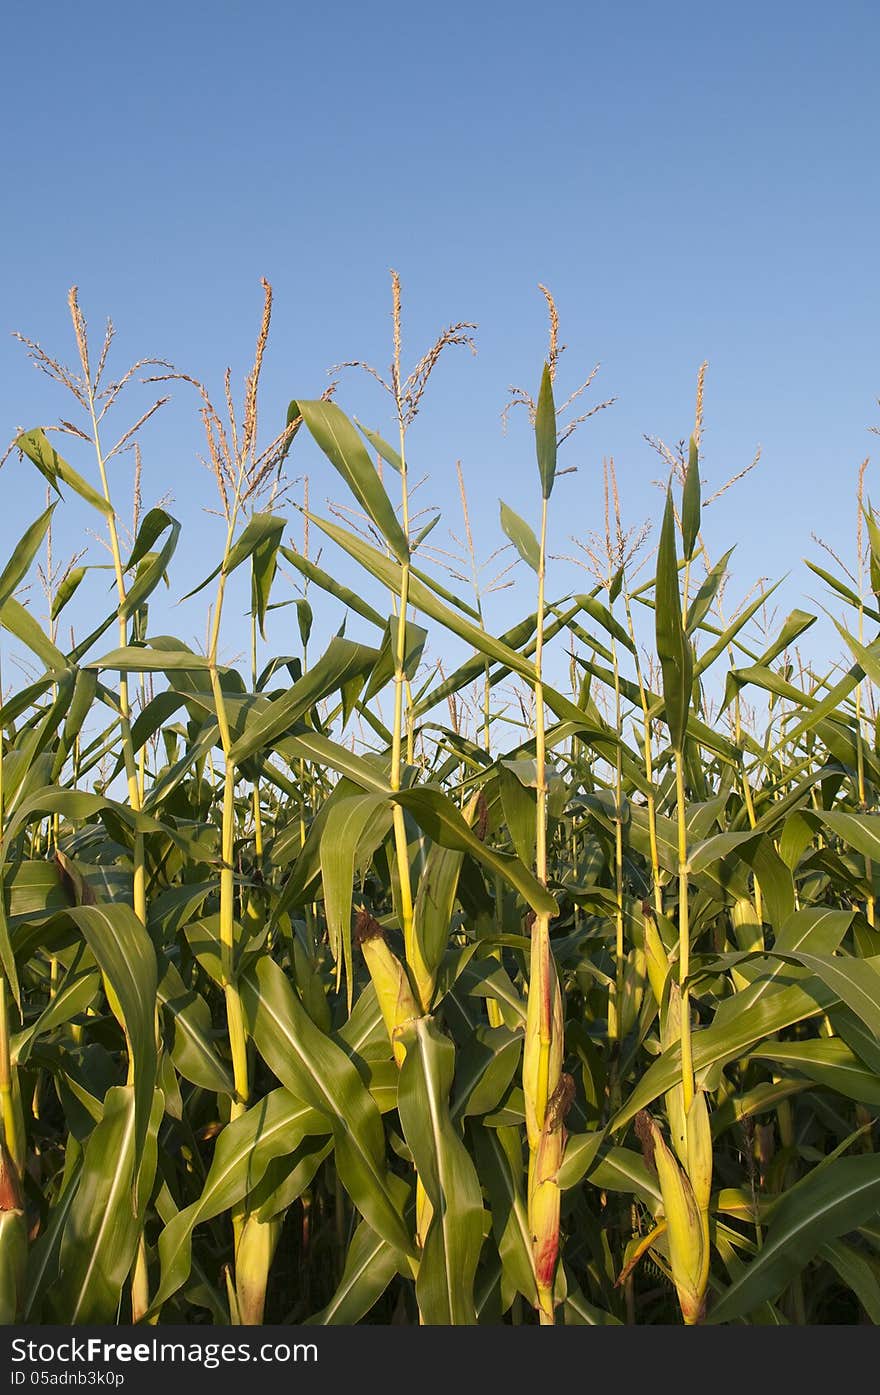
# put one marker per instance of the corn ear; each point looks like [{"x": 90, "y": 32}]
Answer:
[
  {"x": 542, "y": 1050},
  {"x": 699, "y": 1146},
  {"x": 685, "y": 1231},
  {"x": 13, "y": 1263},
  {"x": 699, "y": 1150},
  {"x": 670, "y": 1033},
  {"x": 544, "y": 1193},
  {"x": 254, "y": 1253},
  {"x": 397, "y": 1001},
  {"x": 13, "y": 1239}
]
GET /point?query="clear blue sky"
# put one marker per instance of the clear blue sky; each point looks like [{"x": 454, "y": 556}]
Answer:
[{"x": 691, "y": 181}]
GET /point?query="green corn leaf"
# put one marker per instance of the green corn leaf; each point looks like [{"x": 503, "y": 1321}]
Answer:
[
  {"x": 324, "y": 751},
  {"x": 20, "y": 622},
  {"x": 67, "y": 587},
  {"x": 76, "y": 994},
  {"x": 37, "y": 447},
  {"x": 858, "y": 1273},
  {"x": 262, "y": 531},
  {"x": 43, "y": 1257},
  {"x": 350, "y": 599},
  {"x": 499, "y": 1155},
  {"x": 451, "y": 597},
  {"x": 728, "y": 636},
  {"x": 702, "y": 602},
  {"x": 273, "y": 1127},
  {"x": 829, "y": 1062},
  {"x": 718, "y": 1044},
  {"x": 152, "y": 571},
  {"x": 860, "y": 831},
  {"x": 382, "y": 448},
  {"x": 775, "y": 879},
  {"x": 192, "y": 1048},
  {"x": 874, "y": 541},
  {"x": 522, "y": 537},
  {"x": 102, "y": 1228},
  {"x": 857, "y": 1037},
  {"x": 581, "y": 1151},
  {"x": 383, "y": 670},
  {"x": 545, "y": 433},
  {"x": 445, "y": 1283},
  {"x": 841, "y": 589},
  {"x": 425, "y": 532},
  {"x": 370, "y": 1265},
  {"x": 816, "y": 929},
  {"x": 264, "y": 562},
  {"x": 673, "y": 645},
  {"x": 833, "y": 699},
  {"x": 795, "y": 625},
  {"x": 355, "y": 827},
  {"x": 320, "y": 1073},
  {"x": 151, "y": 719},
  {"x": 484, "y": 1068},
  {"x": 85, "y": 691},
  {"x": 133, "y": 658},
  {"x": 153, "y": 525},
  {"x": 690, "y": 503},
  {"x": 831, "y": 1202},
  {"x": 613, "y": 1169},
  {"x": 434, "y": 904},
  {"x": 304, "y": 620},
  {"x": 519, "y": 805},
  {"x": 580, "y": 1312},
  {"x": 602, "y": 615},
  {"x": 435, "y": 813},
  {"x": 342, "y": 662},
  {"x": 340, "y": 442},
  {"x": 149, "y": 575},
  {"x": 127, "y": 959},
  {"x": 17, "y": 567},
  {"x": 515, "y": 638},
  {"x": 423, "y": 598},
  {"x": 286, "y": 1178},
  {"x": 856, "y": 982},
  {"x": 80, "y": 805}
]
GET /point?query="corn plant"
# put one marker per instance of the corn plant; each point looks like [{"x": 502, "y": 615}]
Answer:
[{"x": 548, "y": 999}]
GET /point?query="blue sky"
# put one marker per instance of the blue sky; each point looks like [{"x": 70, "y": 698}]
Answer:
[{"x": 692, "y": 182}]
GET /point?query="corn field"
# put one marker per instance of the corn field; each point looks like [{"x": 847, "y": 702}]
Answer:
[{"x": 358, "y": 983}]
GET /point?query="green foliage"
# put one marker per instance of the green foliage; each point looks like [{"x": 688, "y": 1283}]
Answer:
[{"x": 266, "y": 948}]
